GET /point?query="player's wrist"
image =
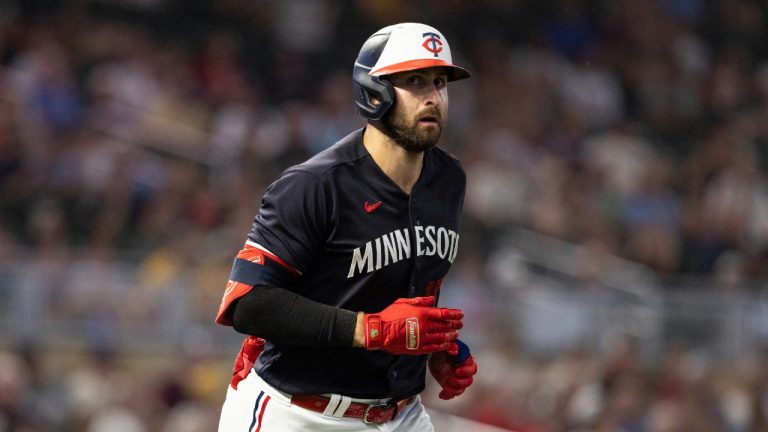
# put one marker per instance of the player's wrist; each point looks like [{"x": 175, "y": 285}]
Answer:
[{"x": 358, "y": 340}]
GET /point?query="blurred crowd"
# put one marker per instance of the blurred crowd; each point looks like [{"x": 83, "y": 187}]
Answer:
[{"x": 145, "y": 132}]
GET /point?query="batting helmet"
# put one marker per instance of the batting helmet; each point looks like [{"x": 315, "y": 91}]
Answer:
[{"x": 397, "y": 48}]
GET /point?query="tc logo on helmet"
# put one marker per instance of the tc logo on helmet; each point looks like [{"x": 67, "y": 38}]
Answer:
[{"x": 432, "y": 43}]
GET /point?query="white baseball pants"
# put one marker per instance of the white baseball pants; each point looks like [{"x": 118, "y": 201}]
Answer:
[{"x": 258, "y": 407}]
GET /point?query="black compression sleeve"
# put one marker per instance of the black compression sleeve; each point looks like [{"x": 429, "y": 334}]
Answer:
[{"x": 282, "y": 316}]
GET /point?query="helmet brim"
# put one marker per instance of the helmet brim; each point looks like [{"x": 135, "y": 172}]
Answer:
[{"x": 454, "y": 72}]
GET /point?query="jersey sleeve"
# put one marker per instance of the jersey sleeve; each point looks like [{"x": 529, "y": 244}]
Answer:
[
  {"x": 287, "y": 234},
  {"x": 293, "y": 220}
]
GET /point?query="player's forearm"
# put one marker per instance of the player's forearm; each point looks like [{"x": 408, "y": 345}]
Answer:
[{"x": 282, "y": 316}]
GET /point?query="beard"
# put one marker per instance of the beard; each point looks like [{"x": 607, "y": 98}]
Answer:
[{"x": 408, "y": 133}]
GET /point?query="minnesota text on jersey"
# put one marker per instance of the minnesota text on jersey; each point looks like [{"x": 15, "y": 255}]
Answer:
[{"x": 396, "y": 245}]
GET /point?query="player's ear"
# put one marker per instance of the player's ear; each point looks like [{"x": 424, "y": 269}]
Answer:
[{"x": 375, "y": 101}]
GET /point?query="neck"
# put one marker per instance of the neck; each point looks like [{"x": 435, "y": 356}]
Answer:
[{"x": 400, "y": 165}]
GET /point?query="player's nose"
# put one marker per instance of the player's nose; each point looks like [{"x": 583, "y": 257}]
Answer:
[{"x": 432, "y": 95}]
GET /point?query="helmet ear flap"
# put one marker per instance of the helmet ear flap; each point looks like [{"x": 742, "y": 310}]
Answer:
[{"x": 373, "y": 95}]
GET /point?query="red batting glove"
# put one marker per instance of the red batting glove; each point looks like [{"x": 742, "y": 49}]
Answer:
[
  {"x": 452, "y": 375},
  {"x": 249, "y": 352},
  {"x": 411, "y": 326}
]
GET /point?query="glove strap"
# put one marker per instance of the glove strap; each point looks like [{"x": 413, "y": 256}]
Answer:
[{"x": 373, "y": 336}]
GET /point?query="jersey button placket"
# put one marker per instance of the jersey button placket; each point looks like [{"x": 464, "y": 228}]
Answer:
[
  {"x": 415, "y": 215},
  {"x": 415, "y": 221}
]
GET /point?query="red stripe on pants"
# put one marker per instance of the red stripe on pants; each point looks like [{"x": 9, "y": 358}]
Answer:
[{"x": 261, "y": 412}]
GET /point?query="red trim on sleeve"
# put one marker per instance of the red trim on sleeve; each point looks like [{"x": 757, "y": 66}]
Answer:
[
  {"x": 234, "y": 291},
  {"x": 255, "y": 254}
]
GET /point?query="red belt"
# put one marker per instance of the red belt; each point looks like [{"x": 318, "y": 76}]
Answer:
[{"x": 378, "y": 414}]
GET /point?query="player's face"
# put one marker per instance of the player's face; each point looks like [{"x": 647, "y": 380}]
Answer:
[{"x": 416, "y": 120}]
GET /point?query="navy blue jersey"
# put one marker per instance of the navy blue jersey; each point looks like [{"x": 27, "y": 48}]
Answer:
[{"x": 335, "y": 229}]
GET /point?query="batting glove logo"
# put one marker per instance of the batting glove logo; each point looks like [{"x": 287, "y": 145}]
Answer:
[
  {"x": 374, "y": 329},
  {"x": 412, "y": 335}
]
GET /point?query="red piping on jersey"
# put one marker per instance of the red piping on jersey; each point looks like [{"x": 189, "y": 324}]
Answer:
[
  {"x": 433, "y": 287},
  {"x": 254, "y": 253}
]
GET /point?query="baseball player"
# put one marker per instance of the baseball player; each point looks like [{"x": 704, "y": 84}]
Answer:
[{"x": 338, "y": 281}]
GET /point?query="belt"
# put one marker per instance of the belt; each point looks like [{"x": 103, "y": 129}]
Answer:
[{"x": 375, "y": 413}]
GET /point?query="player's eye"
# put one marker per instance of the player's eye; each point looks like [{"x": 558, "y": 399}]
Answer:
[
  {"x": 441, "y": 82},
  {"x": 414, "y": 80}
]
